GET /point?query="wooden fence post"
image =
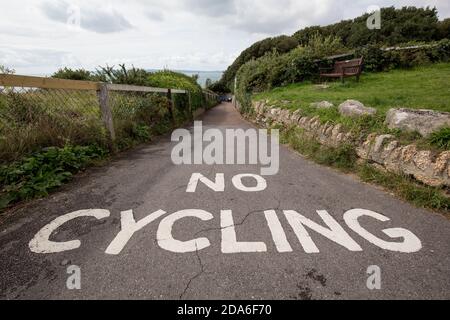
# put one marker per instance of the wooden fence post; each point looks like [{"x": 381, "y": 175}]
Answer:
[
  {"x": 171, "y": 106},
  {"x": 107, "y": 117},
  {"x": 190, "y": 104}
]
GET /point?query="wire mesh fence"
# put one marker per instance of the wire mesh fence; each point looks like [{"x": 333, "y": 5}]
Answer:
[
  {"x": 36, "y": 113},
  {"x": 137, "y": 116},
  {"x": 36, "y": 118}
]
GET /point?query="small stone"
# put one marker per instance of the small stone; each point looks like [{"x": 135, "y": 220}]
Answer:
[
  {"x": 378, "y": 167},
  {"x": 442, "y": 162},
  {"x": 380, "y": 141},
  {"x": 423, "y": 121},
  {"x": 408, "y": 153},
  {"x": 423, "y": 160},
  {"x": 322, "y": 105},
  {"x": 353, "y": 108},
  {"x": 322, "y": 86}
]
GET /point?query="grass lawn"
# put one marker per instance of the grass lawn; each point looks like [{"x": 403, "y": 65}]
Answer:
[
  {"x": 425, "y": 87},
  {"x": 420, "y": 88}
]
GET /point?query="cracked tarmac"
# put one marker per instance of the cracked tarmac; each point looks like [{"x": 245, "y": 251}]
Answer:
[{"x": 145, "y": 180}]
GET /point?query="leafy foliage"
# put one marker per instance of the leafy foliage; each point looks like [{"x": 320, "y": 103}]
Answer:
[
  {"x": 399, "y": 26},
  {"x": 376, "y": 59},
  {"x": 219, "y": 87},
  {"x": 281, "y": 44},
  {"x": 70, "y": 74},
  {"x": 122, "y": 75},
  {"x": 274, "y": 69},
  {"x": 107, "y": 74},
  {"x": 37, "y": 175},
  {"x": 171, "y": 79},
  {"x": 398, "y": 88},
  {"x": 444, "y": 29},
  {"x": 48, "y": 135},
  {"x": 321, "y": 46},
  {"x": 176, "y": 80}
]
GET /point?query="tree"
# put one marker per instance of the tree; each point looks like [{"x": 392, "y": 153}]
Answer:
[
  {"x": 444, "y": 28},
  {"x": 121, "y": 75},
  {"x": 219, "y": 88},
  {"x": 71, "y": 74},
  {"x": 398, "y": 26},
  {"x": 281, "y": 44}
]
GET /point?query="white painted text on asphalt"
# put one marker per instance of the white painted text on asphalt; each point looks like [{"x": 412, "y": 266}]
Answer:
[{"x": 406, "y": 241}]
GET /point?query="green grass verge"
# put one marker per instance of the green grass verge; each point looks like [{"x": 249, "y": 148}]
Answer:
[
  {"x": 345, "y": 159},
  {"x": 420, "y": 88}
]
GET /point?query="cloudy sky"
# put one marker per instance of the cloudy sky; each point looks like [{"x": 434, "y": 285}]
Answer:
[{"x": 39, "y": 36}]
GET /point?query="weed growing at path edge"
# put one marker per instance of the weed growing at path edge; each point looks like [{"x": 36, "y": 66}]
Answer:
[
  {"x": 42, "y": 172},
  {"x": 345, "y": 159}
]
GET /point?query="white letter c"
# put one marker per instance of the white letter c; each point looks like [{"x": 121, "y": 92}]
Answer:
[{"x": 41, "y": 242}]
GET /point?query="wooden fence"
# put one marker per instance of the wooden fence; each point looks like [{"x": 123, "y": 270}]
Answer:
[{"x": 102, "y": 89}]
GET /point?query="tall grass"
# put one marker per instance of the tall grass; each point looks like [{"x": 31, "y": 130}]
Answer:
[
  {"x": 344, "y": 158},
  {"x": 46, "y": 136},
  {"x": 420, "y": 88},
  {"x": 36, "y": 119}
]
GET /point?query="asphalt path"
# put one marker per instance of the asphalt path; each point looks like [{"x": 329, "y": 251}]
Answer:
[{"x": 145, "y": 180}]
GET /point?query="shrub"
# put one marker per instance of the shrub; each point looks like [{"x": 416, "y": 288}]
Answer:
[
  {"x": 107, "y": 74},
  {"x": 319, "y": 46},
  {"x": 141, "y": 132},
  {"x": 274, "y": 69},
  {"x": 122, "y": 75},
  {"x": 175, "y": 80},
  {"x": 376, "y": 59},
  {"x": 219, "y": 87},
  {"x": 70, "y": 74},
  {"x": 37, "y": 175},
  {"x": 399, "y": 26},
  {"x": 281, "y": 44},
  {"x": 444, "y": 28}
]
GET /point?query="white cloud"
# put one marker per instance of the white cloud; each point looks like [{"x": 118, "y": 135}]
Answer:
[
  {"x": 181, "y": 34},
  {"x": 90, "y": 17}
]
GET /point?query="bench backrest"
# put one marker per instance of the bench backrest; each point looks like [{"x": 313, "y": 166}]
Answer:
[{"x": 351, "y": 66}]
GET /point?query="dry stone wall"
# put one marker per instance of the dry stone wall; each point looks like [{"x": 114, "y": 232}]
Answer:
[{"x": 383, "y": 150}]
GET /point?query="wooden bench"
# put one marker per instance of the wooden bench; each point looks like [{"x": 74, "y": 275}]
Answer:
[{"x": 344, "y": 69}]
